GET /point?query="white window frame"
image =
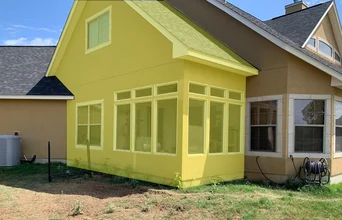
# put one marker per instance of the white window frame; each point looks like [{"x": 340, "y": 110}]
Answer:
[
  {"x": 206, "y": 88},
  {"x": 102, "y": 124},
  {"x": 279, "y": 126},
  {"x": 236, "y": 91},
  {"x": 316, "y": 43},
  {"x": 322, "y": 53},
  {"x": 165, "y": 84},
  {"x": 336, "y": 154},
  {"x": 326, "y": 130},
  {"x": 90, "y": 19}
]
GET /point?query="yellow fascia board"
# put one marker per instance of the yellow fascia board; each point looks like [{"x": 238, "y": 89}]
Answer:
[
  {"x": 71, "y": 23},
  {"x": 179, "y": 49},
  {"x": 219, "y": 63}
]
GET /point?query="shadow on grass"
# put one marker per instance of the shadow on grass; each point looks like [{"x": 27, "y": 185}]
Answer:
[{"x": 35, "y": 177}]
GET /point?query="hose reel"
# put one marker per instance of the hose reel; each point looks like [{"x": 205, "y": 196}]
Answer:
[{"x": 311, "y": 172}]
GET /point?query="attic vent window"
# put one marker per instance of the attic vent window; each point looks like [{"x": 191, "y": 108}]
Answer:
[
  {"x": 312, "y": 42},
  {"x": 337, "y": 57},
  {"x": 325, "y": 49},
  {"x": 98, "y": 30}
]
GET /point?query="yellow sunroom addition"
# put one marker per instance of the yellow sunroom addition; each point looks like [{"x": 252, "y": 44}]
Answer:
[{"x": 159, "y": 100}]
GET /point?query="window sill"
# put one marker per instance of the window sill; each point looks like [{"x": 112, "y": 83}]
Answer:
[
  {"x": 338, "y": 155},
  {"x": 91, "y": 147},
  {"x": 264, "y": 154},
  {"x": 309, "y": 155},
  {"x": 98, "y": 47}
]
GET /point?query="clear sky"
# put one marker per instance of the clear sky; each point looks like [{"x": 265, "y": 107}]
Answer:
[{"x": 40, "y": 22}]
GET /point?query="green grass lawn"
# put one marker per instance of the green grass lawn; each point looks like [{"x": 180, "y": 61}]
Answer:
[{"x": 111, "y": 197}]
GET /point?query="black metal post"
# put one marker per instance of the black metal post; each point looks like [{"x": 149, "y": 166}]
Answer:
[{"x": 49, "y": 163}]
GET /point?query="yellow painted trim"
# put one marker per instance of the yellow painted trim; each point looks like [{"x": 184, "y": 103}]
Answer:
[
  {"x": 166, "y": 84},
  {"x": 102, "y": 125},
  {"x": 219, "y": 63},
  {"x": 206, "y": 92},
  {"x": 72, "y": 20},
  {"x": 90, "y": 19}
]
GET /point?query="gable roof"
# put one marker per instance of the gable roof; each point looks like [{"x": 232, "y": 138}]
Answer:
[
  {"x": 22, "y": 67},
  {"x": 279, "y": 39},
  {"x": 298, "y": 26},
  {"x": 190, "y": 42}
]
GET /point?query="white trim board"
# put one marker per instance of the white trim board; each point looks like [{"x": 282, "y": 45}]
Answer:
[
  {"x": 277, "y": 41},
  {"x": 37, "y": 97}
]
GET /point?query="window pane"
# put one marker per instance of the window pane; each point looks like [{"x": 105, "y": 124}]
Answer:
[
  {"x": 199, "y": 89},
  {"x": 167, "y": 89},
  {"x": 216, "y": 127},
  {"x": 196, "y": 126},
  {"x": 338, "y": 140},
  {"x": 82, "y": 134},
  {"x": 263, "y": 139},
  {"x": 217, "y": 92},
  {"x": 104, "y": 28},
  {"x": 309, "y": 139},
  {"x": 82, "y": 115},
  {"x": 234, "y": 128},
  {"x": 235, "y": 95},
  {"x": 312, "y": 42},
  {"x": 123, "y": 95},
  {"x": 143, "y": 92},
  {"x": 264, "y": 113},
  {"x": 166, "y": 126},
  {"x": 309, "y": 112},
  {"x": 123, "y": 127},
  {"x": 95, "y": 135},
  {"x": 95, "y": 114},
  {"x": 143, "y": 140},
  {"x": 325, "y": 48},
  {"x": 337, "y": 57},
  {"x": 338, "y": 113},
  {"x": 93, "y": 29}
]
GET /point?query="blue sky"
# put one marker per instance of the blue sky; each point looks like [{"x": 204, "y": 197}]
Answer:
[{"x": 40, "y": 22}]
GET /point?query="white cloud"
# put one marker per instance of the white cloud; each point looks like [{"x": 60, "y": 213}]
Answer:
[
  {"x": 35, "y": 42},
  {"x": 19, "y": 26}
]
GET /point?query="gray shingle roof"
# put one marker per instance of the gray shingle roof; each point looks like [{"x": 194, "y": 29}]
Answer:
[
  {"x": 22, "y": 67},
  {"x": 278, "y": 35},
  {"x": 299, "y": 25},
  {"x": 50, "y": 86}
]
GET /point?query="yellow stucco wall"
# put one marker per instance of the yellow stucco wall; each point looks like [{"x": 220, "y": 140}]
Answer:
[{"x": 140, "y": 56}]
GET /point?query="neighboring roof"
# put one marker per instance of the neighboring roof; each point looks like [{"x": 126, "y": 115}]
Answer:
[
  {"x": 22, "y": 67},
  {"x": 298, "y": 26},
  {"x": 279, "y": 39},
  {"x": 50, "y": 86}
]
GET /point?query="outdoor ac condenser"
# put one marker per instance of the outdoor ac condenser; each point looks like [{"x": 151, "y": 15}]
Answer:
[{"x": 10, "y": 150}]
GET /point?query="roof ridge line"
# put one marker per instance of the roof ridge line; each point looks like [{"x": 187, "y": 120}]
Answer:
[{"x": 281, "y": 16}]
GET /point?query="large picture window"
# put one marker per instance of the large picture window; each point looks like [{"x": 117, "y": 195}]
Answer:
[
  {"x": 166, "y": 125},
  {"x": 143, "y": 127},
  {"x": 263, "y": 126},
  {"x": 123, "y": 127},
  {"x": 309, "y": 125},
  {"x": 196, "y": 126},
  {"x": 338, "y": 126},
  {"x": 89, "y": 125},
  {"x": 216, "y": 127},
  {"x": 325, "y": 49}
]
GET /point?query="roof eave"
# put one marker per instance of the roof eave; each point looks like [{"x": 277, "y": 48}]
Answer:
[
  {"x": 277, "y": 41},
  {"x": 37, "y": 97}
]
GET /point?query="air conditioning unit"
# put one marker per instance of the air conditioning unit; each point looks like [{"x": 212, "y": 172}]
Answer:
[{"x": 10, "y": 150}]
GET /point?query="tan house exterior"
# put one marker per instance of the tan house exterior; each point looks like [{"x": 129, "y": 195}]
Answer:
[
  {"x": 31, "y": 105},
  {"x": 290, "y": 70}
]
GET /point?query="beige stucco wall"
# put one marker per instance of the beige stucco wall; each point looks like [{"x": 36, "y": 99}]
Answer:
[{"x": 38, "y": 121}]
